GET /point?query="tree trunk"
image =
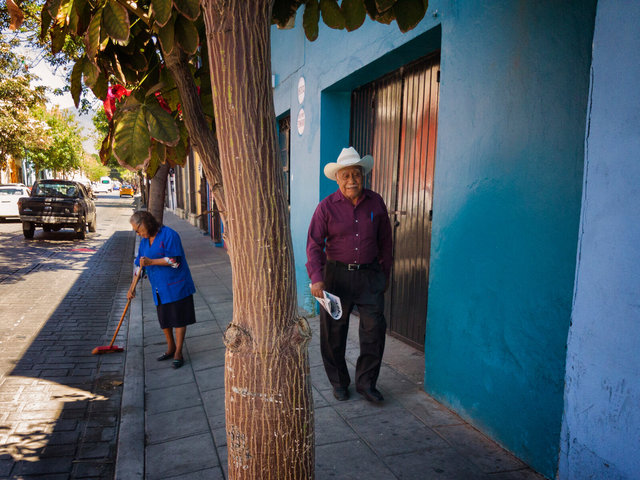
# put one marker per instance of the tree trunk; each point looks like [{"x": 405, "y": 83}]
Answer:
[
  {"x": 269, "y": 417},
  {"x": 157, "y": 192},
  {"x": 203, "y": 139}
]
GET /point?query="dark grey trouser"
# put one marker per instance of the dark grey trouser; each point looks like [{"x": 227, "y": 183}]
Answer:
[{"x": 365, "y": 289}]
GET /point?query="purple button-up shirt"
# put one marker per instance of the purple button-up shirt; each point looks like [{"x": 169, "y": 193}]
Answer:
[{"x": 349, "y": 234}]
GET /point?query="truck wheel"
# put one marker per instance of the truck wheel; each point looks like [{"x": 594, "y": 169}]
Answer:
[
  {"x": 80, "y": 231},
  {"x": 28, "y": 230},
  {"x": 46, "y": 228},
  {"x": 92, "y": 225}
]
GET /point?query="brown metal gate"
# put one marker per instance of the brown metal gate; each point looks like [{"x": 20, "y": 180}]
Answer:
[{"x": 395, "y": 119}]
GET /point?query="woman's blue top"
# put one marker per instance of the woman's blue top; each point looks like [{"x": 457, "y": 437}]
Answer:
[{"x": 170, "y": 284}]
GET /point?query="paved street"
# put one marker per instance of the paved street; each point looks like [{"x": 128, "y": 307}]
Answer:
[{"x": 60, "y": 405}]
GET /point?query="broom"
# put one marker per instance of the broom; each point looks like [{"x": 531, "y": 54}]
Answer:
[{"x": 111, "y": 348}]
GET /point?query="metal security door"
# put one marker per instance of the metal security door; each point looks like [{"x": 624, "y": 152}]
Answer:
[{"x": 395, "y": 119}]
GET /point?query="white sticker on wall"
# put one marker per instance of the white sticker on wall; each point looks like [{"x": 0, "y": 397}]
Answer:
[
  {"x": 300, "y": 121},
  {"x": 301, "y": 88}
]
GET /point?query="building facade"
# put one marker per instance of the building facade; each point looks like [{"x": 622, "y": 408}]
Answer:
[{"x": 481, "y": 122}]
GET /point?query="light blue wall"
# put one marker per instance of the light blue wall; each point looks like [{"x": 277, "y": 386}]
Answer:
[
  {"x": 601, "y": 428},
  {"x": 507, "y": 190}
]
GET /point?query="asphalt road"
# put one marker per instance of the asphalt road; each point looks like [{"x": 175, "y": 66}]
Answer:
[{"x": 59, "y": 298}]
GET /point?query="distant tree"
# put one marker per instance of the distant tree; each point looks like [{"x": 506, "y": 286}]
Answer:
[
  {"x": 64, "y": 151},
  {"x": 18, "y": 101},
  {"x": 93, "y": 168}
]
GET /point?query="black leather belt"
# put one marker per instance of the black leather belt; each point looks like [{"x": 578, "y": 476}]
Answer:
[{"x": 351, "y": 266}]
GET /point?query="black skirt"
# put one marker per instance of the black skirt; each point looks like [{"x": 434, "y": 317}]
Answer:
[{"x": 176, "y": 314}]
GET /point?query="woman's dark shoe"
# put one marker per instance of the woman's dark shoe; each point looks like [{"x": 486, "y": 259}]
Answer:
[
  {"x": 177, "y": 363},
  {"x": 165, "y": 356}
]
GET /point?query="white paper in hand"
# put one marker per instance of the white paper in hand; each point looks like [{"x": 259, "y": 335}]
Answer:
[{"x": 331, "y": 304}]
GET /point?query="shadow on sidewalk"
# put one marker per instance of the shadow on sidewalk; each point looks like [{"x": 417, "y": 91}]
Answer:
[{"x": 63, "y": 403}]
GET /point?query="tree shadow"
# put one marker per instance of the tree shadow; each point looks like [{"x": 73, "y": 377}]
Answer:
[{"x": 63, "y": 403}]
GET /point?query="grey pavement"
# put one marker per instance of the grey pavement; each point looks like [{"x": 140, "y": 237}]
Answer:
[
  {"x": 172, "y": 423},
  {"x": 59, "y": 404}
]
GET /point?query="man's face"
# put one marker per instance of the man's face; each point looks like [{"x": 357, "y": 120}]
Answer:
[{"x": 350, "y": 180}]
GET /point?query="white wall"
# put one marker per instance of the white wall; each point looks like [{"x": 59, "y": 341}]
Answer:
[{"x": 601, "y": 426}]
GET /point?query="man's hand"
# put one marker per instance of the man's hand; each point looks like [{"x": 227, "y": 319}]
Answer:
[
  {"x": 317, "y": 288},
  {"x": 131, "y": 294}
]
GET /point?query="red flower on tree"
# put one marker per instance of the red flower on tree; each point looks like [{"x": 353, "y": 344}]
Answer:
[{"x": 114, "y": 93}]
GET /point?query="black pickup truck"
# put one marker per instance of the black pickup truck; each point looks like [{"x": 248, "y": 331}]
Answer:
[{"x": 56, "y": 204}]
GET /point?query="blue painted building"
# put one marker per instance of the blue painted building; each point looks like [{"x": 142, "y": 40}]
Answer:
[{"x": 478, "y": 121}]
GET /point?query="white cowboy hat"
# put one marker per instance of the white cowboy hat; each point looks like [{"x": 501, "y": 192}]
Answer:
[{"x": 348, "y": 158}]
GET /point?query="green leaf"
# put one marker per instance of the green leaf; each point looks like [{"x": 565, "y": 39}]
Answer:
[
  {"x": 159, "y": 151},
  {"x": 408, "y": 13},
  {"x": 135, "y": 61},
  {"x": 384, "y": 5},
  {"x": 45, "y": 23},
  {"x": 167, "y": 36},
  {"x": 106, "y": 149},
  {"x": 186, "y": 35},
  {"x": 162, "y": 126},
  {"x": 354, "y": 13},
  {"x": 76, "y": 9},
  {"x": 52, "y": 7},
  {"x": 58, "y": 35},
  {"x": 76, "y": 81},
  {"x": 177, "y": 155},
  {"x": 310, "y": 19},
  {"x": 284, "y": 11},
  {"x": 100, "y": 87},
  {"x": 152, "y": 166},
  {"x": 162, "y": 10},
  {"x": 92, "y": 37},
  {"x": 91, "y": 72},
  {"x": 207, "y": 104},
  {"x": 331, "y": 14},
  {"x": 131, "y": 139},
  {"x": 158, "y": 156},
  {"x": 188, "y": 8},
  {"x": 115, "y": 20}
]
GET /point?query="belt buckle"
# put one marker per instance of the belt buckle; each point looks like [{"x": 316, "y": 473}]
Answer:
[{"x": 353, "y": 266}]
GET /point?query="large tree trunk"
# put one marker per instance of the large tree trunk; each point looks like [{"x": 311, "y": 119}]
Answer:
[
  {"x": 268, "y": 408},
  {"x": 203, "y": 139},
  {"x": 157, "y": 192}
]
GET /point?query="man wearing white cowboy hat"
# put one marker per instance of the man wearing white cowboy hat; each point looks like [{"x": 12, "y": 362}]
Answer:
[{"x": 349, "y": 255}]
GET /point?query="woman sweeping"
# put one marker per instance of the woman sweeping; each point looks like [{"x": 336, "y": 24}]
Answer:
[{"x": 161, "y": 255}]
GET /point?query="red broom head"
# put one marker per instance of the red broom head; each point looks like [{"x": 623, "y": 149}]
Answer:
[{"x": 107, "y": 349}]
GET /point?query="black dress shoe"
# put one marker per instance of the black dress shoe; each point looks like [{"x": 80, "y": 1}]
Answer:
[
  {"x": 371, "y": 395},
  {"x": 341, "y": 393},
  {"x": 177, "y": 363}
]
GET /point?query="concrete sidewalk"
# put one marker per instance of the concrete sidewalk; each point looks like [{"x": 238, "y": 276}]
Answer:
[{"x": 172, "y": 421}]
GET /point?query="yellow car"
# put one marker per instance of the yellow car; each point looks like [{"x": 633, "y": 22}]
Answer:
[{"x": 126, "y": 190}]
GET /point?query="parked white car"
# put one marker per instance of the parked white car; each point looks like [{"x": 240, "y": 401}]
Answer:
[
  {"x": 9, "y": 195},
  {"x": 101, "y": 188}
]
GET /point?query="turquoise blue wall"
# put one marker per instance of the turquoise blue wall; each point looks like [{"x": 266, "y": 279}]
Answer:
[
  {"x": 507, "y": 191},
  {"x": 508, "y": 185}
]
